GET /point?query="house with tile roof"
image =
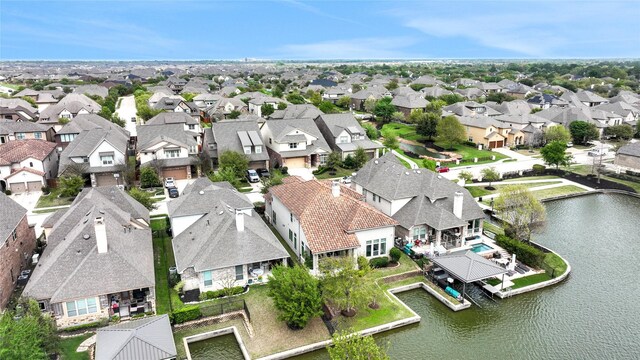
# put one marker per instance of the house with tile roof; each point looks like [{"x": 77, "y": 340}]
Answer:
[
  {"x": 17, "y": 242},
  {"x": 319, "y": 219},
  {"x": 218, "y": 238},
  {"x": 294, "y": 143},
  {"x": 26, "y": 165},
  {"x": 426, "y": 206},
  {"x": 344, "y": 134},
  {"x": 98, "y": 261}
]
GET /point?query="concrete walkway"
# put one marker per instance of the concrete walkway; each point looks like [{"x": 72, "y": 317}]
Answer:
[
  {"x": 84, "y": 346},
  {"x": 512, "y": 154}
]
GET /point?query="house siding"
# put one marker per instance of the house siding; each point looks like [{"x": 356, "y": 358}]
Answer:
[
  {"x": 627, "y": 161},
  {"x": 14, "y": 257}
]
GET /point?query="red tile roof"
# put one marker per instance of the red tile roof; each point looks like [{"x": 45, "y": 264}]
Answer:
[
  {"x": 33, "y": 171},
  {"x": 16, "y": 151},
  {"x": 328, "y": 222}
]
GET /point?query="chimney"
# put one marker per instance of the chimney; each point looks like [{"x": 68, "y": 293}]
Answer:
[
  {"x": 239, "y": 220},
  {"x": 335, "y": 189},
  {"x": 457, "y": 204},
  {"x": 101, "y": 234}
]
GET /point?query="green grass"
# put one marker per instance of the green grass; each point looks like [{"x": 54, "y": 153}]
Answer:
[
  {"x": 339, "y": 173},
  {"x": 493, "y": 281},
  {"x": 527, "y": 178},
  {"x": 557, "y": 191},
  {"x": 493, "y": 228},
  {"x": 477, "y": 191},
  {"x": 68, "y": 347},
  {"x": 555, "y": 263},
  {"x": 44, "y": 211},
  {"x": 403, "y": 131},
  {"x": 53, "y": 200},
  {"x": 406, "y": 264},
  {"x": 245, "y": 189},
  {"x": 12, "y": 86},
  {"x": 162, "y": 260},
  {"x": 406, "y": 164},
  {"x": 470, "y": 152},
  {"x": 529, "y": 280}
]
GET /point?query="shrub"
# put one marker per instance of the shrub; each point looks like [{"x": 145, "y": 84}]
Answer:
[
  {"x": 179, "y": 286},
  {"x": 284, "y": 170},
  {"x": 209, "y": 295},
  {"x": 363, "y": 263},
  {"x": 7, "y": 192},
  {"x": 115, "y": 318},
  {"x": 45, "y": 190},
  {"x": 395, "y": 254},
  {"x": 185, "y": 314},
  {"x": 379, "y": 262},
  {"x": 149, "y": 177},
  {"x": 91, "y": 325},
  {"x": 524, "y": 252},
  {"x": 539, "y": 169},
  {"x": 321, "y": 170}
]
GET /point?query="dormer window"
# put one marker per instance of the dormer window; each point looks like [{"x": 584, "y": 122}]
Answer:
[
  {"x": 192, "y": 127},
  {"x": 247, "y": 150},
  {"x": 293, "y": 145},
  {"x": 344, "y": 139},
  {"x": 258, "y": 149}
]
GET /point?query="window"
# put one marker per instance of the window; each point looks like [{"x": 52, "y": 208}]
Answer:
[
  {"x": 291, "y": 217},
  {"x": 14, "y": 234},
  {"x": 82, "y": 307},
  {"x": 293, "y": 145},
  {"x": 192, "y": 149},
  {"x": 290, "y": 235},
  {"x": 20, "y": 136},
  {"x": 275, "y": 221},
  {"x": 295, "y": 241},
  {"x": 172, "y": 153},
  {"x": 375, "y": 197},
  {"x": 344, "y": 139},
  {"x": 65, "y": 116},
  {"x": 355, "y": 137},
  {"x": 270, "y": 142},
  {"x": 419, "y": 233},
  {"x": 192, "y": 127},
  {"x": 239, "y": 272},
  {"x": 258, "y": 149},
  {"x": 376, "y": 247},
  {"x": 247, "y": 150},
  {"x": 85, "y": 159},
  {"x": 30, "y": 163},
  {"x": 208, "y": 278},
  {"x": 67, "y": 137},
  {"x": 37, "y": 135},
  {"x": 106, "y": 159},
  {"x": 323, "y": 159},
  {"x": 42, "y": 306}
]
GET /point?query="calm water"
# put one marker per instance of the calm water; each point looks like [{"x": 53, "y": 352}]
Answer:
[
  {"x": 421, "y": 150},
  {"x": 591, "y": 315},
  {"x": 221, "y": 347}
]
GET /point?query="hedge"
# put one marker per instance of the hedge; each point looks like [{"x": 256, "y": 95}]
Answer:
[
  {"x": 539, "y": 169},
  {"x": 91, "y": 325},
  {"x": 395, "y": 254},
  {"x": 208, "y": 295},
  {"x": 379, "y": 262},
  {"x": 524, "y": 252},
  {"x": 185, "y": 314}
]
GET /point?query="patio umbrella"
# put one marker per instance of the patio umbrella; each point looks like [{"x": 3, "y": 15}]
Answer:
[{"x": 512, "y": 264}]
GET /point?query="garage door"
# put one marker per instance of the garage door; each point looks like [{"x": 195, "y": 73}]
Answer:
[
  {"x": 106, "y": 179},
  {"x": 496, "y": 144},
  {"x": 34, "y": 186},
  {"x": 18, "y": 188},
  {"x": 177, "y": 173},
  {"x": 294, "y": 163}
]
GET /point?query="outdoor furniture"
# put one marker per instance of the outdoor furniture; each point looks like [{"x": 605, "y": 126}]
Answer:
[{"x": 257, "y": 272}]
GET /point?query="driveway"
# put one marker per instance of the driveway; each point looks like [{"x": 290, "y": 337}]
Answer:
[
  {"x": 127, "y": 111},
  {"x": 161, "y": 206},
  {"x": 304, "y": 173},
  {"x": 27, "y": 200}
]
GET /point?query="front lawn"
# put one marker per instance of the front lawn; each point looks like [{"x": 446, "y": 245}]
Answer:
[
  {"x": 477, "y": 191},
  {"x": 53, "y": 200},
  {"x": 333, "y": 174},
  {"x": 470, "y": 152},
  {"x": 557, "y": 191},
  {"x": 404, "y": 131},
  {"x": 554, "y": 263},
  {"x": 68, "y": 347},
  {"x": 529, "y": 280}
]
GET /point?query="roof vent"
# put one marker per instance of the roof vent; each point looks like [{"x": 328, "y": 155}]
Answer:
[
  {"x": 87, "y": 214},
  {"x": 201, "y": 192},
  {"x": 375, "y": 161},
  {"x": 439, "y": 176},
  {"x": 418, "y": 172},
  {"x": 221, "y": 212},
  {"x": 86, "y": 236},
  {"x": 101, "y": 211},
  {"x": 406, "y": 173}
]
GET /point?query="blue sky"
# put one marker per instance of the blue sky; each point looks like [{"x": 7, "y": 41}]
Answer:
[{"x": 292, "y": 29}]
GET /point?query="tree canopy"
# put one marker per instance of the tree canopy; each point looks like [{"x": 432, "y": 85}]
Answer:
[
  {"x": 343, "y": 284},
  {"x": 295, "y": 295},
  {"x": 557, "y": 133},
  {"x": 583, "y": 132},
  {"x": 27, "y": 333},
  {"x": 520, "y": 211},
  {"x": 384, "y": 110},
  {"x": 490, "y": 174},
  {"x": 450, "y": 131},
  {"x": 350, "y": 346},
  {"x": 234, "y": 160},
  {"x": 554, "y": 153}
]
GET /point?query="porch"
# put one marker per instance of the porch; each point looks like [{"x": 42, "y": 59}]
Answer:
[
  {"x": 425, "y": 239},
  {"x": 128, "y": 303},
  {"x": 340, "y": 253}
]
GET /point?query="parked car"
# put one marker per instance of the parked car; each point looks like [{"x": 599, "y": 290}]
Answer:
[
  {"x": 597, "y": 152},
  {"x": 569, "y": 144},
  {"x": 173, "y": 192},
  {"x": 169, "y": 182},
  {"x": 252, "y": 176},
  {"x": 442, "y": 169},
  {"x": 346, "y": 180},
  {"x": 264, "y": 173}
]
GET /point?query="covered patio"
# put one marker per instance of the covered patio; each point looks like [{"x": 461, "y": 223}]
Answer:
[{"x": 466, "y": 267}]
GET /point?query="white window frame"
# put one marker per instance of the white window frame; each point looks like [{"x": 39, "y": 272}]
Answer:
[
  {"x": 293, "y": 145},
  {"x": 344, "y": 139},
  {"x": 20, "y": 136},
  {"x": 81, "y": 307},
  {"x": 209, "y": 275},
  {"x": 106, "y": 160},
  {"x": 37, "y": 135},
  {"x": 239, "y": 274},
  {"x": 258, "y": 149},
  {"x": 170, "y": 154},
  {"x": 376, "y": 247},
  {"x": 247, "y": 150}
]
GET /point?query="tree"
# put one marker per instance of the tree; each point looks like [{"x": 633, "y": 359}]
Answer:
[
  {"x": 295, "y": 98},
  {"x": 27, "y": 333},
  {"x": 295, "y": 294},
  {"x": 149, "y": 177},
  {"x": 398, "y": 116},
  {"x": 490, "y": 174},
  {"x": 355, "y": 88},
  {"x": 520, "y": 211},
  {"x": 427, "y": 124},
  {"x": 334, "y": 160},
  {"x": 234, "y": 114},
  {"x": 383, "y": 110},
  {"x": 234, "y": 160},
  {"x": 360, "y": 158},
  {"x": 499, "y": 97},
  {"x": 327, "y": 107},
  {"x": 392, "y": 85},
  {"x": 314, "y": 97},
  {"x": 372, "y": 132},
  {"x": 467, "y": 176},
  {"x": 622, "y": 132},
  {"x": 583, "y": 132},
  {"x": 267, "y": 109},
  {"x": 273, "y": 180},
  {"x": 436, "y": 106},
  {"x": 342, "y": 284},
  {"x": 370, "y": 105},
  {"x": 352, "y": 346},
  {"x": 450, "y": 131},
  {"x": 344, "y": 102},
  {"x": 143, "y": 197},
  {"x": 71, "y": 185},
  {"x": 391, "y": 141},
  {"x": 225, "y": 174},
  {"x": 451, "y": 98},
  {"x": 557, "y": 133},
  {"x": 554, "y": 153}
]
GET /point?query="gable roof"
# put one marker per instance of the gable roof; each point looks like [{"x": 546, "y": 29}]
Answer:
[
  {"x": 10, "y": 215},
  {"x": 150, "y": 135},
  {"x": 87, "y": 141},
  {"x": 632, "y": 149},
  {"x": 87, "y": 122},
  {"x": 172, "y": 118},
  {"x": 12, "y": 127},
  {"x": 16, "y": 151},
  {"x": 297, "y": 112},
  {"x": 281, "y": 130},
  {"x": 468, "y": 266},
  {"x": 225, "y": 134},
  {"x": 329, "y": 223},
  {"x": 150, "y": 338}
]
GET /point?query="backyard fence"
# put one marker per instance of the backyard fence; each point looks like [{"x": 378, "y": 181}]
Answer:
[{"x": 219, "y": 308}]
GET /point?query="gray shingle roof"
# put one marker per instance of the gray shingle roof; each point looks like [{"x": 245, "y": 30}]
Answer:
[
  {"x": 71, "y": 267},
  {"x": 225, "y": 135},
  {"x": 87, "y": 141},
  {"x": 88, "y": 122},
  {"x": 150, "y": 338},
  {"x": 630, "y": 149},
  {"x": 11, "y": 127},
  {"x": 149, "y": 135},
  {"x": 10, "y": 215},
  {"x": 281, "y": 130},
  {"x": 468, "y": 266},
  {"x": 171, "y": 118}
]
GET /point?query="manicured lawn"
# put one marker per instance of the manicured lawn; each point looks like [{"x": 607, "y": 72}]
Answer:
[
  {"x": 477, "y": 191},
  {"x": 406, "y": 164},
  {"x": 493, "y": 228},
  {"x": 553, "y": 261},
  {"x": 406, "y": 264},
  {"x": 68, "y": 347},
  {"x": 557, "y": 191},
  {"x": 403, "y": 131},
  {"x": 527, "y": 178},
  {"x": 162, "y": 260},
  {"x": 245, "y": 189},
  {"x": 493, "y": 281},
  {"x": 529, "y": 280},
  {"x": 53, "y": 200},
  {"x": 470, "y": 152},
  {"x": 338, "y": 173}
]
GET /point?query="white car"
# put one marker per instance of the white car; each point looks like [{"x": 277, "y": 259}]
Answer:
[
  {"x": 346, "y": 180},
  {"x": 169, "y": 182},
  {"x": 597, "y": 152}
]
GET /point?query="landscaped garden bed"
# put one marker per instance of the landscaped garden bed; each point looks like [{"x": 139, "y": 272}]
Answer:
[{"x": 53, "y": 199}]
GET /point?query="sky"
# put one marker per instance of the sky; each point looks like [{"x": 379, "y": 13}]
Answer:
[{"x": 318, "y": 30}]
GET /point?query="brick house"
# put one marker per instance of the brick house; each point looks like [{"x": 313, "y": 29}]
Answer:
[{"x": 17, "y": 241}]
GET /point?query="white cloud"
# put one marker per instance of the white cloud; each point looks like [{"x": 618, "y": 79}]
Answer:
[{"x": 362, "y": 48}]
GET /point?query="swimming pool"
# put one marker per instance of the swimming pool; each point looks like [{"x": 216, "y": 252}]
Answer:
[{"x": 480, "y": 247}]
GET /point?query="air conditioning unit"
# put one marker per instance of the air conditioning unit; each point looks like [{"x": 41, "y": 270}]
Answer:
[{"x": 35, "y": 258}]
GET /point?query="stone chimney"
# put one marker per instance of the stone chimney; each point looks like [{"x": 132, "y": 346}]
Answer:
[
  {"x": 101, "y": 234},
  {"x": 335, "y": 189},
  {"x": 457, "y": 204},
  {"x": 239, "y": 220}
]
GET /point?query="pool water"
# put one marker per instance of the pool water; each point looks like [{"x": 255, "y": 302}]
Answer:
[
  {"x": 480, "y": 247},
  {"x": 421, "y": 150}
]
